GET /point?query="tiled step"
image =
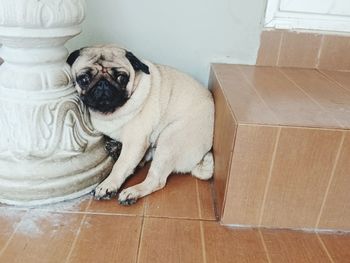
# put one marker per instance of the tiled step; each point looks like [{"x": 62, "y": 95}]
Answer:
[{"x": 282, "y": 147}]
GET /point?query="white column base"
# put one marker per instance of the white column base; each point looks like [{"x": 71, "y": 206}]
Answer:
[{"x": 49, "y": 151}]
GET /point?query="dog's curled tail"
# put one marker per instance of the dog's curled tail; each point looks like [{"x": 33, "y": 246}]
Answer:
[{"x": 205, "y": 168}]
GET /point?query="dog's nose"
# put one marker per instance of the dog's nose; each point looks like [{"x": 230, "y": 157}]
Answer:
[{"x": 102, "y": 89}]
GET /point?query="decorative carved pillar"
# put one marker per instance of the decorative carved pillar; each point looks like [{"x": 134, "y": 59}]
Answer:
[{"x": 48, "y": 150}]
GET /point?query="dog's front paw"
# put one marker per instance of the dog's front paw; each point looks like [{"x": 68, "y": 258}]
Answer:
[
  {"x": 128, "y": 196},
  {"x": 105, "y": 191}
]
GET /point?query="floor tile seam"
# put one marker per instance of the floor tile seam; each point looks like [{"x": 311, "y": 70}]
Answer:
[
  {"x": 324, "y": 247},
  {"x": 330, "y": 78},
  {"x": 203, "y": 245},
  {"x": 77, "y": 234},
  {"x": 279, "y": 49},
  {"x": 269, "y": 178},
  {"x": 334, "y": 168},
  {"x": 273, "y": 114},
  {"x": 198, "y": 201},
  {"x": 319, "y": 53},
  {"x": 140, "y": 240},
  {"x": 264, "y": 245},
  {"x": 12, "y": 235},
  {"x": 180, "y": 218},
  {"x": 310, "y": 97}
]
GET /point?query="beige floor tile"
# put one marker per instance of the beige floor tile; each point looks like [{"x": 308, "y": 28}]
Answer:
[
  {"x": 330, "y": 96},
  {"x": 338, "y": 246},
  {"x": 291, "y": 105},
  {"x": 270, "y": 42},
  {"x": 246, "y": 103},
  {"x": 107, "y": 239},
  {"x": 336, "y": 210},
  {"x": 206, "y": 201},
  {"x": 170, "y": 241},
  {"x": 9, "y": 220},
  {"x": 299, "y": 50},
  {"x": 76, "y": 205},
  {"x": 291, "y": 247},
  {"x": 342, "y": 78},
  {"x": 250, "y": 169},
  {"x": 335, "y": 53},
  {"x": 300, "y": 177},
  {"x": 225, "y": 245},
  {"x": 42, "y": 237},
  {"x": 178, "y": 199}
]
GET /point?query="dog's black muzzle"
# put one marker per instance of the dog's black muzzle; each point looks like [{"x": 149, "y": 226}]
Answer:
[{"x": 105, "y": 97}]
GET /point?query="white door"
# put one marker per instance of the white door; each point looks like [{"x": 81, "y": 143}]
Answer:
[{"x": 328, "y": 15}]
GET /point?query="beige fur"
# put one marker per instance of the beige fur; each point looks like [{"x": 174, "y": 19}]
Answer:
[{"x": 167, "y": 110}]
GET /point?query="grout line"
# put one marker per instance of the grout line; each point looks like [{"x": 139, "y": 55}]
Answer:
[
  {"x": 12, "y": 235},
  {"x": 264, "y": 245},
  {"x": 86, "y": 210},
  {"x": 221, "y": 90},
  {"x": 145, "y": 206},
  {"x": 279, "y": 49},
  {"x": 309, "y": 96},
  {"x": 140, "y": 240},
  {"x": 267, "y": 186},
  {"x": 335, "y": 165},
  {"x": 294, "y": 127},
  {"x": 75, "y": 239},
  {"x": 273, "y": 114},
  {"x": 203, "y": 242},
  {"x": 77, "y": 234},
  {"x": 220, "y": 214},
  {"x": 198, "y": 201},
  {"x": 324, "y": 247},
  {"x": 320, "y": 51},
  {"x": 92, "y": 213},
  {"x": 180, "y": 218},
  {"x": 228, "y": 177},
  {"x": 129, "y": 215},
  {"x": 214, "y": 200},
  {"x": 330, "y": 78}
]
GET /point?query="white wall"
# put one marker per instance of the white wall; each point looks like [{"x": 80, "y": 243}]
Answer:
[{"x": 186, "y": 34}]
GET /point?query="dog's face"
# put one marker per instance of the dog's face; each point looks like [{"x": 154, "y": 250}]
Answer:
[{"x": 104, "y": 76}]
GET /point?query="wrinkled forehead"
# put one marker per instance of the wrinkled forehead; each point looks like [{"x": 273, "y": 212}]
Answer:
[{"x": 102, "y": 57}]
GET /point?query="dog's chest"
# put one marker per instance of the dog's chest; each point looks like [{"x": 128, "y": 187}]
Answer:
[{"x": 112, "y": 128}]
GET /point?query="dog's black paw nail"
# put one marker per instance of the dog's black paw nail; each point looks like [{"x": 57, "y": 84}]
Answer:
[
  {"x": 128, "y": 202},
  {"x": 109, "y": 194},
  {"x": 93, "y": 192}
]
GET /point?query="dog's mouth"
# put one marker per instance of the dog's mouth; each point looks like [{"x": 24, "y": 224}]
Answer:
[{"x": 105, "y": 98}]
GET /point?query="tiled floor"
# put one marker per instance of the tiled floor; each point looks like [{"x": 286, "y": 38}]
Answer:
[{"x": 176, "y": 224}]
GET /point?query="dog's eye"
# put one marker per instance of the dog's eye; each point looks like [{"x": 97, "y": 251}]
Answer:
[
  {"x": 122, "y": 79},
  {"x": 83, "y": 79}
]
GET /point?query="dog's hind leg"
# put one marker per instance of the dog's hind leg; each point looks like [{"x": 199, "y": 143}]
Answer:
[
  {"x": 205, "y": 168},
  {"x": 148, "y": 156}
]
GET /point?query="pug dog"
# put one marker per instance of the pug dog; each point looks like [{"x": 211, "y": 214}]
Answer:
[{"x": 155, "y": 111}]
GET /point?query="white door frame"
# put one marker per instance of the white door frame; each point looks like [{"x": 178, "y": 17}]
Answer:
[{"x": 276, "y": 18}]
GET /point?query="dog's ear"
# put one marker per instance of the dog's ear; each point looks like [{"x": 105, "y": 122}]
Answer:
[
  {"x": 136, "y": 63},
  {"x": 73, "y": 57}
]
